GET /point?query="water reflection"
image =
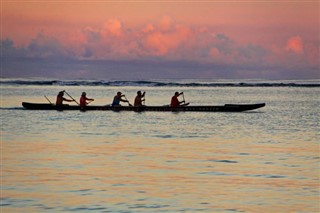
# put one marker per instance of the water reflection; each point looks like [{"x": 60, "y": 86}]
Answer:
[
  {"x": 162, "y": 162},
  {"x": 156, "y": 175}
]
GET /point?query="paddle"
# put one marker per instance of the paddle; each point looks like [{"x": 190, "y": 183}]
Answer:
[
  {"x": 71, "y": 97},
  {"x": 48, "y": 99},
  {"x": 184, "y": 101},
  {"x": 127, "y": 100},
  {"x": 89, "y": 102}
]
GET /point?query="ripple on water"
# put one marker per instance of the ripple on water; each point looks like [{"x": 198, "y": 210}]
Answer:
[
  {"x": 145, "y": 206},
  {"x": 85, "y": 208},
  {"x": 272, "y": 176},
  {"x": 224, "y": 161}
]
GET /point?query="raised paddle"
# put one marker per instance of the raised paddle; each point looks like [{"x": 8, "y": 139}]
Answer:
[
  {"x": 71, "y": 97},
  {"x": 48, "y": 99},
  {"x": 183, "y": 97},
  {"x": 184, "y": 101},
  {"x": 144, "y": 96}
]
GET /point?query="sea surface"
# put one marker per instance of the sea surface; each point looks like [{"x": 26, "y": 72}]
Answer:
[{"x": 266, "y": 160}]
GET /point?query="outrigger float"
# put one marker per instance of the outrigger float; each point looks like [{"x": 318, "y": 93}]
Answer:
[{"x": 166, "y": 108}]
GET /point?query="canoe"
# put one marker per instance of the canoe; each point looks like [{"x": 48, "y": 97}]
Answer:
[{"x": 222, "y": 108}]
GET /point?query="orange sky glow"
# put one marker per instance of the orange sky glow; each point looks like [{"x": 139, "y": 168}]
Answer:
[{"x": 221, "y": 32}]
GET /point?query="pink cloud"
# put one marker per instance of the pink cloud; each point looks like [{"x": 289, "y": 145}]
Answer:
[
  {"x": 148, "y": 28},
  {"x": 161, "y": 43},
  {"x": 165, "y": 24},
  {"x": 173, "y": 41},
  {"x": 295, "y": 44},
  {"x": 112, "y": 26}
]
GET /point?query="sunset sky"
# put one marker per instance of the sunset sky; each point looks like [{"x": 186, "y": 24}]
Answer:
[{"x": 160, "y": 39}]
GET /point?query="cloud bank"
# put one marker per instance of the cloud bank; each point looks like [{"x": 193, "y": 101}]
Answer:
[{"x": 157, "y": 50}]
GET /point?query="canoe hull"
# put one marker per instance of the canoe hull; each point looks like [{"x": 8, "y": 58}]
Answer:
[{"x": 222, "y": 108}]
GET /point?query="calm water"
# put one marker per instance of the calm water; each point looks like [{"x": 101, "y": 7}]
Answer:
[{"x": 266, "y": 160}]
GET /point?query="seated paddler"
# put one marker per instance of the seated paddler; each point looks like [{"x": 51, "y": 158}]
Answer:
[
  {"x": 175, "y": 101},
  {"x": 84, "y": 99},
  {"x": 139, "y": 99},
  {"x": 60, "y": 99},
  {"x": 118, "y": 98}
]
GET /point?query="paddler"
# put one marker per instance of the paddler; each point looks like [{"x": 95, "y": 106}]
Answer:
[
  {"x": 60, "y": 99},
  {"x": 175, "y": 101},
  {"x": 118, "y": 98},
  {"x": 84, "y": 99},
  {"x": 139, "y": 99}
]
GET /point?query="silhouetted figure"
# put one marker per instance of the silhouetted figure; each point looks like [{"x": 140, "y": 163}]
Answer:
[
  {"x": 60, "y": 99},
  {"x": 175, "y": 101},
  {"x": 139, "y": 99},
  {"x": 118, "y": 98},
  {"x": 84, "y": 99}
]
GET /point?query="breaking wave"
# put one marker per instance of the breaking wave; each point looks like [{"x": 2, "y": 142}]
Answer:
[{"x": 165, "y": 83}]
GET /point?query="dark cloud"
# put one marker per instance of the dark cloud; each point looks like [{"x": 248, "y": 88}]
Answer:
[
  {"x": 8, "y": 50},
  {"x": 45, "y": 47}
]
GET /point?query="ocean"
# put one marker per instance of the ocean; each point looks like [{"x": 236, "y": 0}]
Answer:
[{"x": 265, "y": 160}]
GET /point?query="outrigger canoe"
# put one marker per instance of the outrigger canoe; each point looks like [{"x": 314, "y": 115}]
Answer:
[{"x": 222, "y": 108}]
